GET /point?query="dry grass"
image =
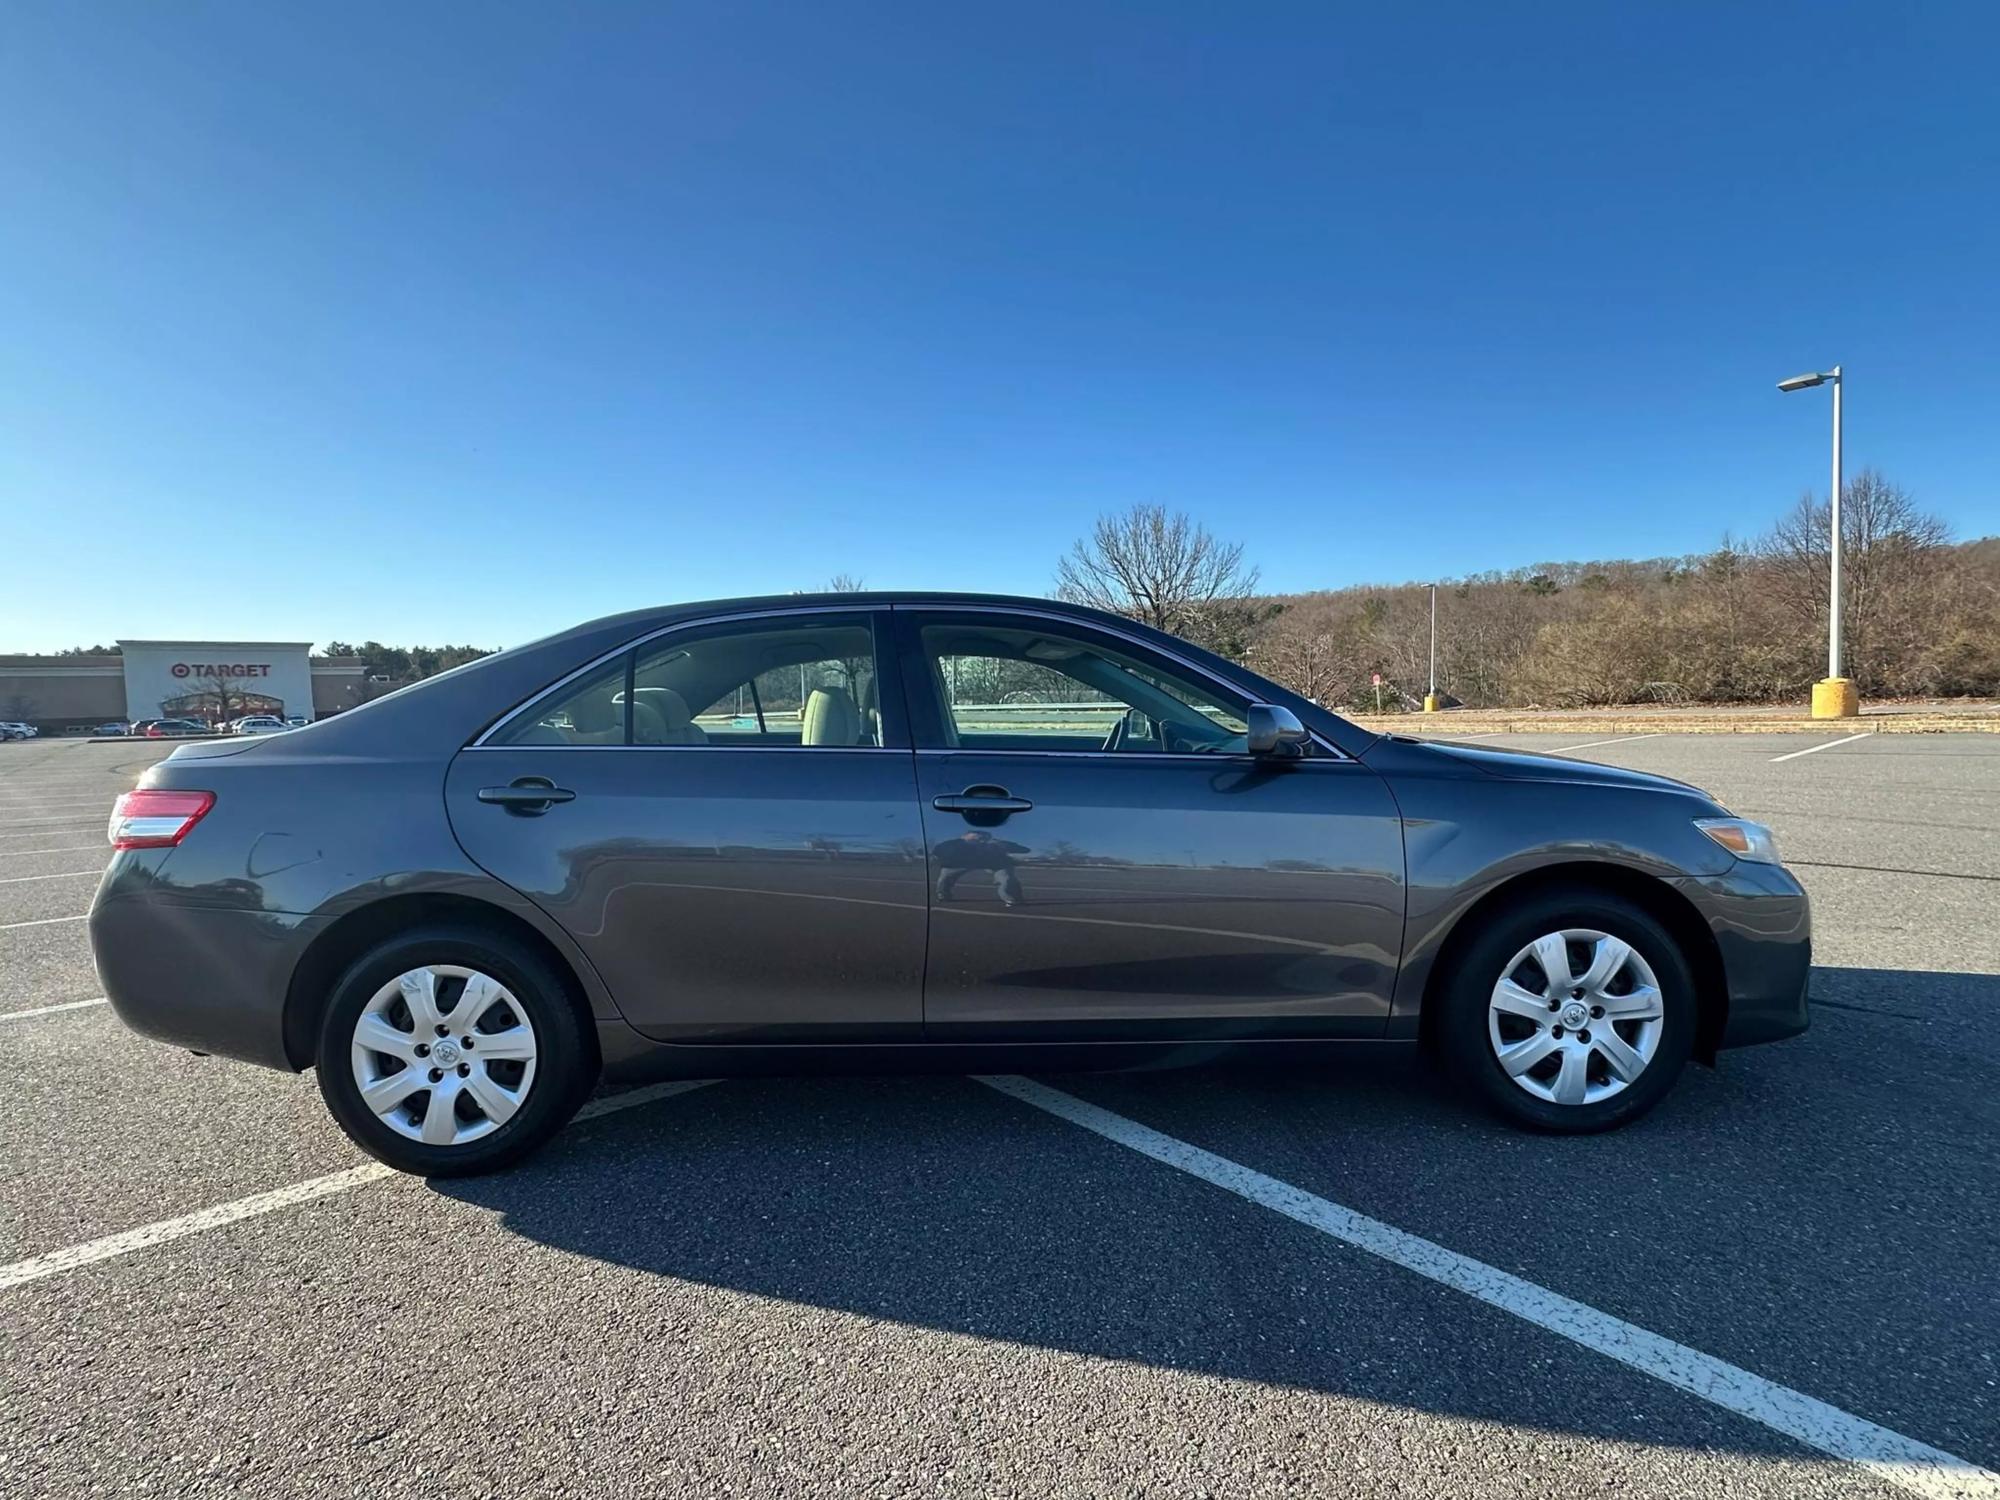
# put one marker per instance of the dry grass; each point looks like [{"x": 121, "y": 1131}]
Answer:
[{"x": 1970, "y": 717}]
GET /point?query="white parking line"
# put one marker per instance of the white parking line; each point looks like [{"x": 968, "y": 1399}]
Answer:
[
  {"x": 49, "y": 1010},
  {"x": 1593, "y": 744},
  {"x": 1903, "y": 1461},
  {"x": 71, "y": 1257},
  {"x": 1823, "y": 745},
  {"x": 58, "y": 849},
  {"x": 42, "y": 922},
  {"x": 111, "y": 1246},
  {"x": 64, "y": 875}
]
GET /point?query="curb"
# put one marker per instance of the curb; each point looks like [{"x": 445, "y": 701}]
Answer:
[{"x": 1429, "y": 725}]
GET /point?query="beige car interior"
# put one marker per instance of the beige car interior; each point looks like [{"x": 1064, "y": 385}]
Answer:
[
  {"x": 595, "y": 720},
  {"x": 830, "y": 718},
  {"x": 750, "y": 684},
  {"x": 660, "y": 717}
]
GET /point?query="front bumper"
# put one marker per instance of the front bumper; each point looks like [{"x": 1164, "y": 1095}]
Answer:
[
  {"x": 1762, "y": 923},
  {"x": 206, "y": 978}
]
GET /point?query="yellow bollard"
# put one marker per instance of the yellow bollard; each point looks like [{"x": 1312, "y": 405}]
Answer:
[
  {"x": 1835, "y": 698},
  {"x": 1431, "y": 703}
]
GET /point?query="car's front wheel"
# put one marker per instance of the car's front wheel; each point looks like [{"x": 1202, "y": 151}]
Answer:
[
  {"x": 1569, "y": 1011},
  {"x": 446, "y": 1052}
]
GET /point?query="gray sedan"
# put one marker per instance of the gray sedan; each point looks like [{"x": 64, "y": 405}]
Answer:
[{"x": 915, "y": 832}]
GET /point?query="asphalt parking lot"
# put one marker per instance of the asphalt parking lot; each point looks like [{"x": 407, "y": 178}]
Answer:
[{"x": 938, "y": 1286}]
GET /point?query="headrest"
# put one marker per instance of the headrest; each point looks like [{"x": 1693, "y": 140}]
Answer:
[
  {"x": 594, "y": 712},
  {"x": 669, "y": 705},
  {"x": 830, "y": 718}
]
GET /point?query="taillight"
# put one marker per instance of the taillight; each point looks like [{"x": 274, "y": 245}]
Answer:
[{"x": 156, "y": 818}]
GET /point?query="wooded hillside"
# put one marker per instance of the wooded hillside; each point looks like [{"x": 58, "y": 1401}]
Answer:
[{"x": 1746, "y": 622}]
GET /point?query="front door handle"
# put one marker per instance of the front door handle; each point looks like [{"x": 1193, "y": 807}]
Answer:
[
  {"x": 527, "y": 796},
  {"x": 982, "y": 799}
]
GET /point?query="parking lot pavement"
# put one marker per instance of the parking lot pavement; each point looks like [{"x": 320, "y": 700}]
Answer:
[
  {"x": 160, "y": 1132},
  {"x": 903, "y": 1286},
  {"x": 40, "y": 900},
  {"x": 44, "y": 965},
  {"x": 38, "y": 864}
]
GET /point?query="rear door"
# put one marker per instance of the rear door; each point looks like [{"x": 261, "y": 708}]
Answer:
[
  {"x": 725, "y": 820},
  {"x": 1108, "y": 862}
]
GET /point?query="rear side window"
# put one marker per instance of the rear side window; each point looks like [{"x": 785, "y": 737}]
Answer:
[
  {"x": 592, "y": 713},
  {"x": 797, "y": 682},
  {"x": 808, "y": 683}
]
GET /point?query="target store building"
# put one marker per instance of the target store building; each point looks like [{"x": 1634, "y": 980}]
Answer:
[
  {"x": 213, "y": 679},
  {"x": 209, "y": 680}
]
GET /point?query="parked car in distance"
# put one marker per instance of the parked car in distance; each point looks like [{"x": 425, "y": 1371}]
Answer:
[
  {"x": 296, "y": 721},
  {"x": 907, "y": 831},
  {"x": 259, "y": 724},
  {"x": 141, "y": 726},
  {"x": 111, "y": 730},
  {"x": 159, "y": 729},
  {"x": 17, "y": 730}
]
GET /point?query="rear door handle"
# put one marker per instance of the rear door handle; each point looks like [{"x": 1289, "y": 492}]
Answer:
[
  {"x": 529, "y": 796},
  {"x": 982, "y": 799}
]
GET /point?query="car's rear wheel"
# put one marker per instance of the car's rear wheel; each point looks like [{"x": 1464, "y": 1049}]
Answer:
[
  {"x": 445, "y": 1052},
  {"x": 1569, "y": 1011}
]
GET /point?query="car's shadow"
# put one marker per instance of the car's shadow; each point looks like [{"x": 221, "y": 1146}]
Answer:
[{"x": 940, "y": 1203}]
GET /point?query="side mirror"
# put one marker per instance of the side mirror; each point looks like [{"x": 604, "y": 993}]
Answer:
[{"x": 1275, "y": 731}]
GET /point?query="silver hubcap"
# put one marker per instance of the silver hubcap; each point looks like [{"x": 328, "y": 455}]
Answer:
[
  {"x": 1575, "y": 1016},
  {"x": 444, "y": 1055}
]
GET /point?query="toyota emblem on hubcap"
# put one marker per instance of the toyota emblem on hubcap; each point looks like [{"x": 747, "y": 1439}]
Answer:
[
  {"x": 445, "y": 1053},
  {"x": 1575, "y": 1014}
]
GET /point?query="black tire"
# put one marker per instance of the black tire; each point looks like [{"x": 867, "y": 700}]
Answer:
[
  {"x": 1461, "y": 1026},
  {"x": 565, "y": 1062}
]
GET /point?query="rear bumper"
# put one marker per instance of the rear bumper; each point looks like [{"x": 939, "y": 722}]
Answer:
[
  {"x": 1762, "y": 923},
  {"x": 210, "y": 979}
]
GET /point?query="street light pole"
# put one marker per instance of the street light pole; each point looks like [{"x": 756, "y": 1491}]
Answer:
[
  {"x": 1833, "y": 672},
  {"x": 1431, "y": 698},
  {"x": 1834, "y": 698}
]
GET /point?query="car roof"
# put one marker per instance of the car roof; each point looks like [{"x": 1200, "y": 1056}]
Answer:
[
  {"x": 640, "y": 621},
  {"x": 875, "y": 598}
]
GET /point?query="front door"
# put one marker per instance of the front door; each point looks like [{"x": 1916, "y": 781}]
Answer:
[
  {"x": 1108, "y": 862},
  {"x": 730, "y": 831}
]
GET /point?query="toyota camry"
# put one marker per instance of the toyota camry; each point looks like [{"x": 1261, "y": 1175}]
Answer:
[{"x": 915, "y": 831}]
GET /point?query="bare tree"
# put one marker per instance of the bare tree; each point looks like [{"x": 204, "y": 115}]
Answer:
[
  {"x": 1889, "y": 563},
  {"x": 220, "y": 698},
  {"x": 1159, "y": 567},
  {"x": 846, "y": 583},
  {"x": 1306, "y": 650}
]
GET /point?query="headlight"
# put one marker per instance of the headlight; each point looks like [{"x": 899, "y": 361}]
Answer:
[{"x": 1742, "y": 838}]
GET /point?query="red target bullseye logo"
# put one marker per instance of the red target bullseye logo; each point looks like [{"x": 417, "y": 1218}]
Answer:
[{"x": 180, "y": 669}]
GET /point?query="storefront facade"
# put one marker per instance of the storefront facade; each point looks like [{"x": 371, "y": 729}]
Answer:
[{"x": 214, "y": 681}]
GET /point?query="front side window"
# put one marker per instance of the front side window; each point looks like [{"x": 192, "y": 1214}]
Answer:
[
  {"x": 805, "y": 682},
  {"x": 1005, "y": 688}
]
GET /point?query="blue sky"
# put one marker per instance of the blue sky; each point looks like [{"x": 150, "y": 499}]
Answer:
[{"x": 466, "y": 322}]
